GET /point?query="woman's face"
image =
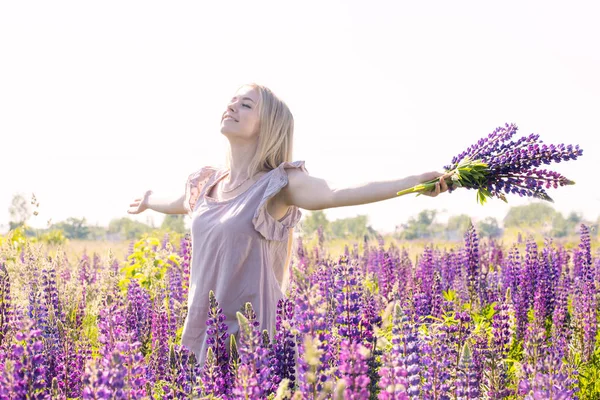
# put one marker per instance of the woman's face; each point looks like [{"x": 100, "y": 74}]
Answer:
[{"x": 241, "y": 117}]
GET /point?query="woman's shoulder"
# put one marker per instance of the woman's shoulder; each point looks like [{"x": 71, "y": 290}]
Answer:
[{"x": 292, "y": 165}]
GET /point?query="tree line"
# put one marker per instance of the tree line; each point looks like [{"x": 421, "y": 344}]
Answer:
[{"x": 536, "y": 216}]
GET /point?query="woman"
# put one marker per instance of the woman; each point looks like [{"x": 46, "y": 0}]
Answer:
[{"x": 243, "y": 215}]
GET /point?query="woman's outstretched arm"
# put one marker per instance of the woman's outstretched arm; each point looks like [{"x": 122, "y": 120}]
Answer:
[
  {"x": 312, "y": 193},
  {"x": 163, "y": 205}
]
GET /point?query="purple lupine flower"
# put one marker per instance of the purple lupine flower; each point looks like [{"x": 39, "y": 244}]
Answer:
[
  {"x": 495, "y": 375},
  {"x": 119, "y": 373},
  {"x": 112, "y": 327},
  {"x": 585, "y": 316},
  {"x": 544, "y": 386},
  {"x": 560, "y": 330},
  {"x": 467, "y": 384},
  {"x": 585, "y": 255},
  {"x": 321, "y": 236},
  {"x": 284, "y": 343},
  {"x": 217, "y": 340},
  {"x": 448, "y": 269},
  {"x": 532, "y": 267},
  {"x": 472, "y": 260},
  {"x": 175, "y": 283},
  {"x": 139, "y": 314},
  {"x": 437, "y": 299},
  {"x": 80, "y": 310},
  {"x": 480, "y": 352},
  {"x": 354, "y": 370},
  {"x": 160, "y": 339},
  {"x": 212, "y": 378},
  {"x": 545, "y": 375},
  {"x": 311, "y": 319},
  {"x": 387, "y": 276},
  {"x": 183, "y": 373},
  {"x": 424, "y": 275},
  {"x": 254, "y": 372},
  {"x": 369, "y": 319},
  {"x": 86, "y": 275},
  {"x": 348, "y": 301},
  {"x": 393, "y": 382},
  {"x": 409, "y": 348},
  {"x": 491, "y": 166},
  {"x": 95, "y": 269},
  {"x": 28, "y": 378},
  {"x": 435, "y": 364},
  {"x": 165, "y": 241},
  {"x": 547, "y": 278},
  {"x": 511, "y": 268},
  {"x": 54, "y": 356},
  {"x": 7, "y": 317},
  {"x": 185, "y": 250},
  {"x": 585, "y": 302},
  {"x": 70, "y": 379}
]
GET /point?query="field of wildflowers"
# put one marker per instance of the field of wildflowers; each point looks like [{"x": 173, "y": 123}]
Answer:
[{"x": 480, "y": 320}]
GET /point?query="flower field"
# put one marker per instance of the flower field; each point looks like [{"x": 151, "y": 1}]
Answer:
[{"x": 480, "y": 320}]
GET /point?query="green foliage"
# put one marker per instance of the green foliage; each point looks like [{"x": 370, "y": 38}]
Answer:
[
  {"x": 344, "y": 228},
  {"x": 589, "y": 374},
  {"x": 127, "y": 228},
  {"x": 418, "y": 228},
  {"x": 450, "y": 295},
  {"x": 17, "y": 238},
  {"x": 562, "y": 227},
  {"x": 73, "y": 228},
  {"x": 174, "y": 222},
  {"x": 313, "y": 220},
  {"x": 147, "y": 265},
  {"x": 489, "y": 228},
  {"x": 355, "y": 227},
  {"x": 53, "y": 237},
  {"x": 531, "y": 215},
  {"x": 459, "y": 223}
]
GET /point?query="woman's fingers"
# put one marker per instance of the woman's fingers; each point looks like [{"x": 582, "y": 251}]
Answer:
[{"x": 443, "y": 184}]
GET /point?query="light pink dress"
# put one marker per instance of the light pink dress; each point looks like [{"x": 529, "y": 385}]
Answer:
[{"x": 238, "y": 250}]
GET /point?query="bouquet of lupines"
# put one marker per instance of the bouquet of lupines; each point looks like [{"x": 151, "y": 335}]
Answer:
[{"x": 494, "y": 165}]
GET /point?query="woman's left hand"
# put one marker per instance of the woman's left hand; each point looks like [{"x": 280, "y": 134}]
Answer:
[{"x": 440, "y": 187}]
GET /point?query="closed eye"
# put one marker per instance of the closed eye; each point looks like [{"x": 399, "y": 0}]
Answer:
[{"x": 246, "y": 105}]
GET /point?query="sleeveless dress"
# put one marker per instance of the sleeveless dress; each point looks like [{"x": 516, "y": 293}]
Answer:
[{"x": 238, "y": 251}]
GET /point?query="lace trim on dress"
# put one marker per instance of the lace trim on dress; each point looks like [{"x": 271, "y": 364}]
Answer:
[
  {"x": 194, "y": 186},
  {"x": 269, "y": 227}
]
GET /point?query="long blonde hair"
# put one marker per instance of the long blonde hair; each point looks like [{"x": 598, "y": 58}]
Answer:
[
  {"x": 276, "y": 133},
  {"x": 275, "y": 145}
]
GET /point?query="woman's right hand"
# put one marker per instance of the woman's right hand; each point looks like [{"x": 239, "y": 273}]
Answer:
[{"x": 140, "y": 204}]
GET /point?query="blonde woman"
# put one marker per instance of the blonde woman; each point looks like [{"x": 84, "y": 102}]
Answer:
[{"x": 243, "y": 215}]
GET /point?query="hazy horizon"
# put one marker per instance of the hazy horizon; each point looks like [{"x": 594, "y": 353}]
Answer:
[{"x": 102, "y": 101}]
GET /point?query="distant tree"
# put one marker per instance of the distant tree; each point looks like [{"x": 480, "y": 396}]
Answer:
[
  {"x": 575, "y": 218},
  {"x": 97, "y": 232},
  {"x": 313, "y": 220},
  {"x": 420, "y": 227},
  {"x": 126, "y": 228},
  {"x": 531, "y": 215},
  {"x": 354, "y": 227},
  {"x": 458, "y": 225},
  {"x": 489, "y": 228},
  {"x": 19, "y": 211},
  {"x": 174, "y": 222},
  {"x": 73, "y": 228},
  {"x": 562, "y": 227}
]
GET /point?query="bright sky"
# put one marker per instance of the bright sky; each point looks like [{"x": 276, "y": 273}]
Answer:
[{"x": 100, "y": 101}]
